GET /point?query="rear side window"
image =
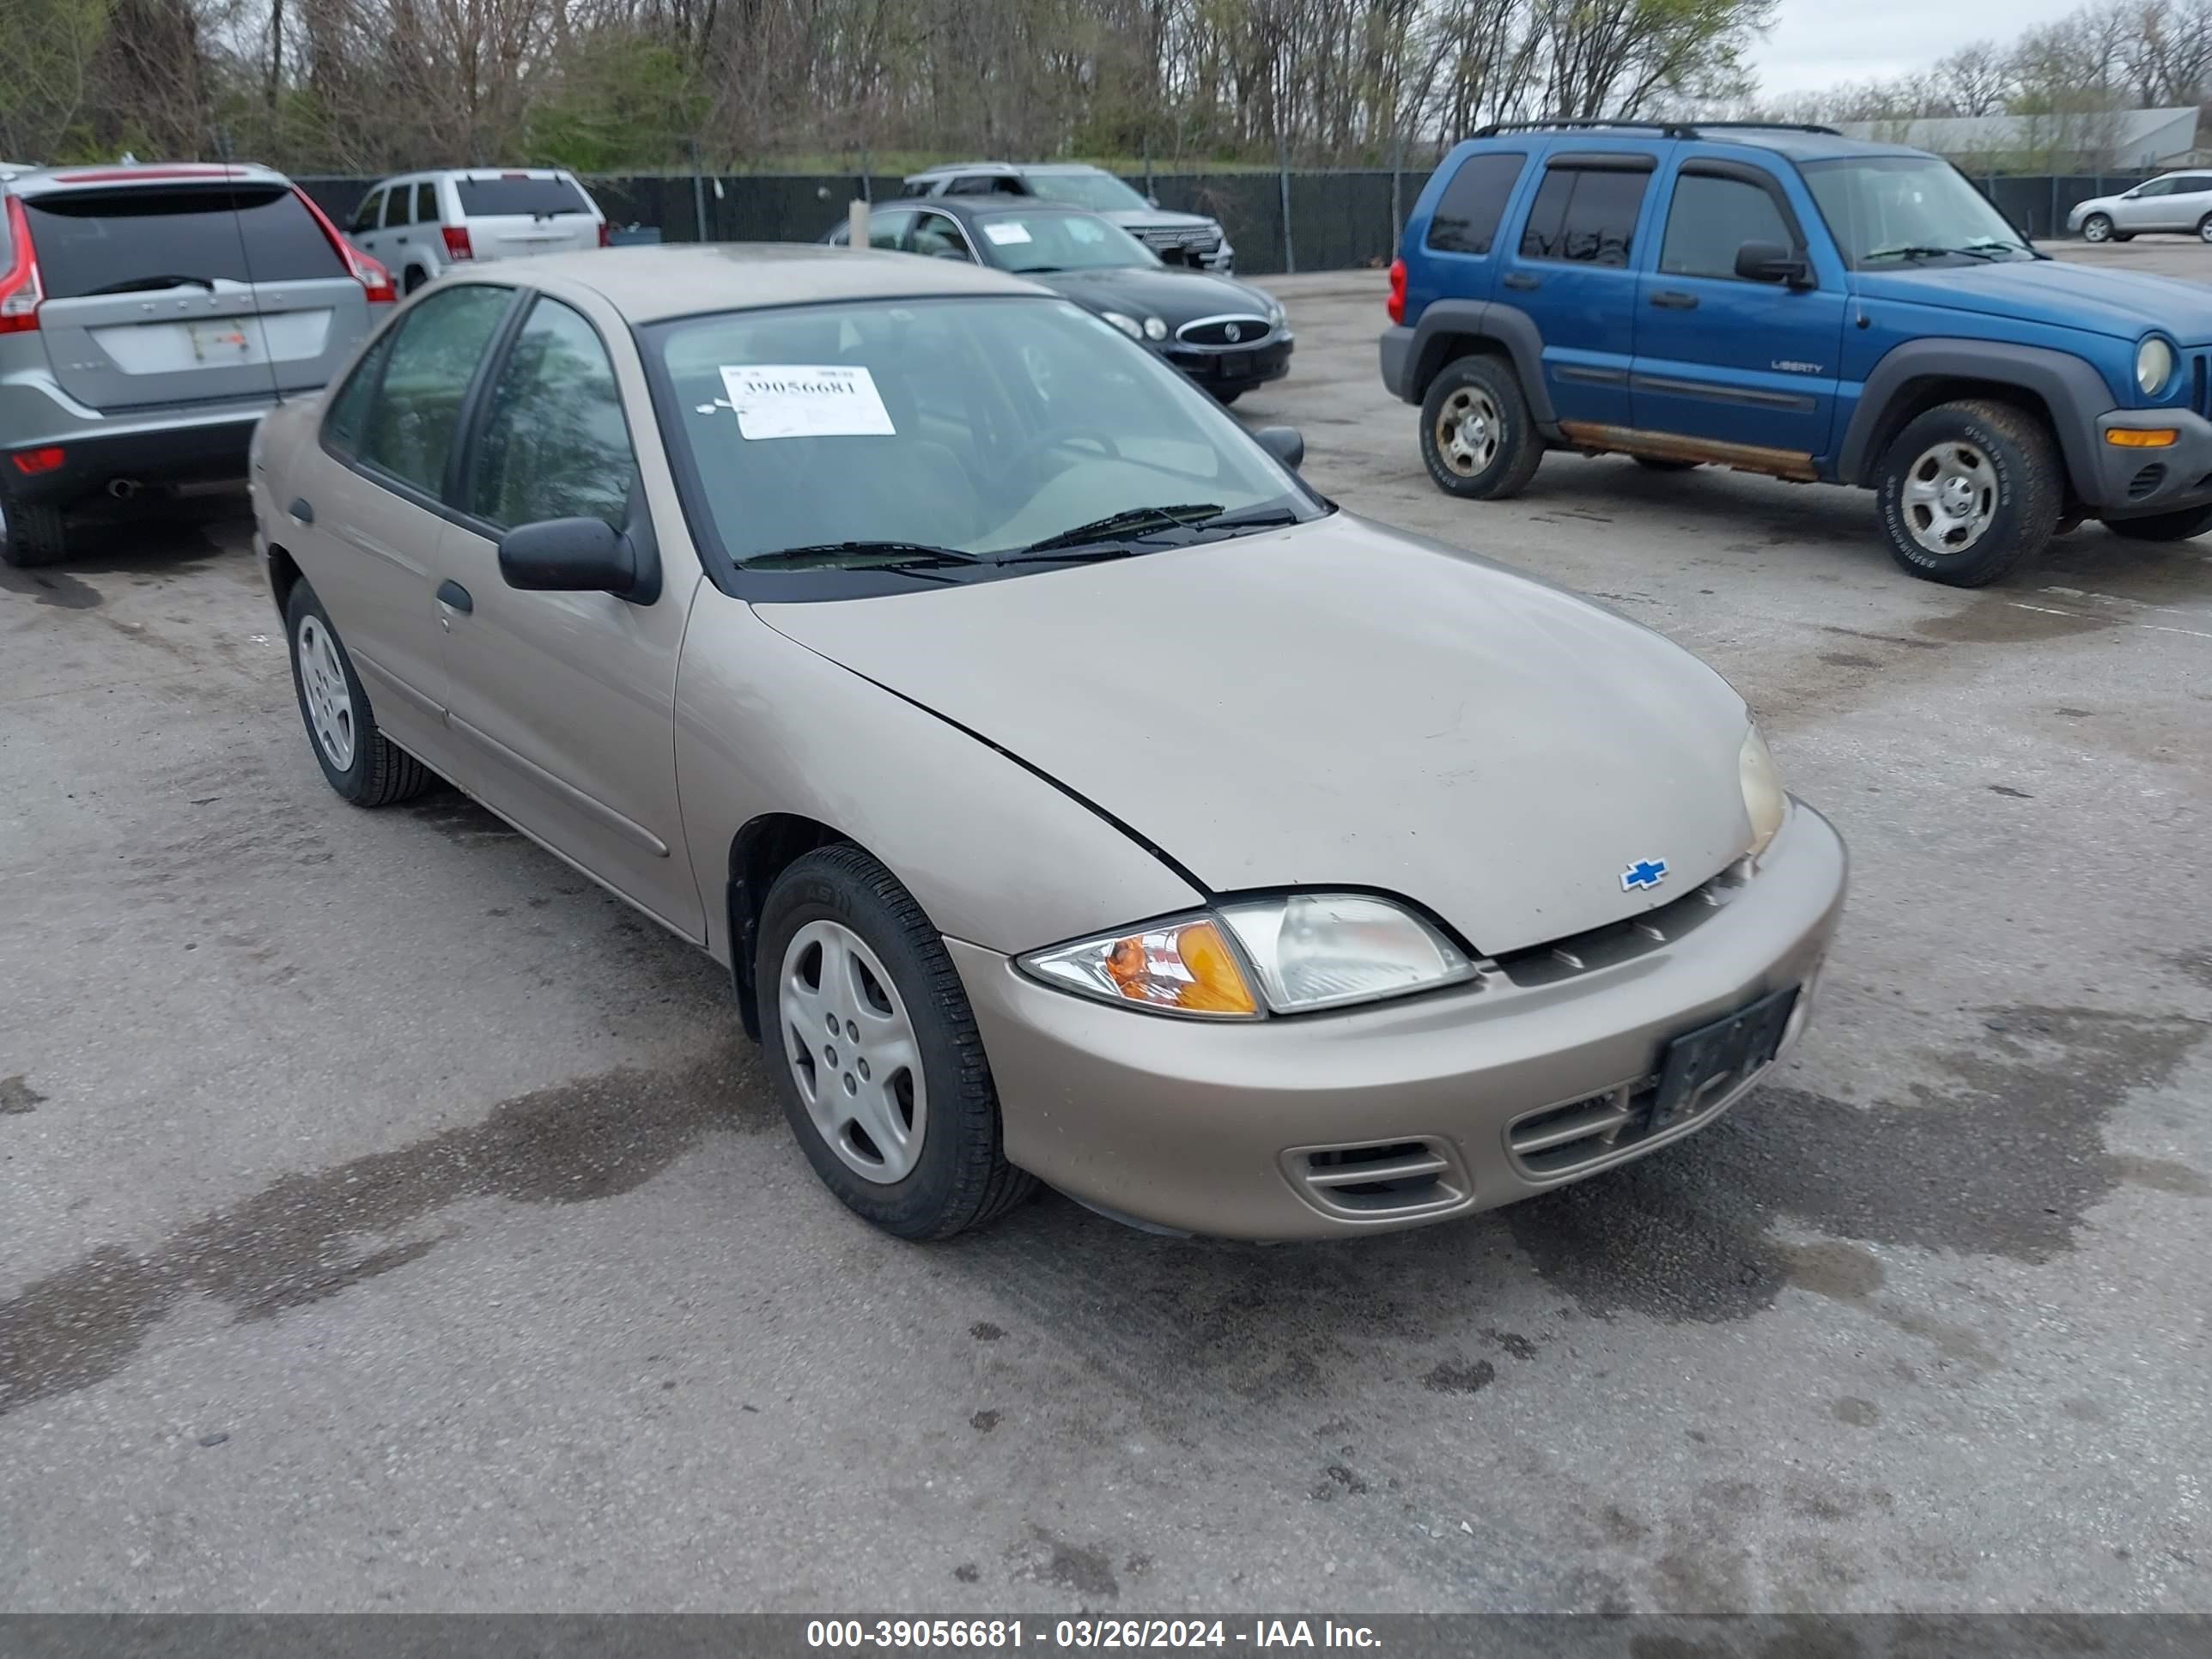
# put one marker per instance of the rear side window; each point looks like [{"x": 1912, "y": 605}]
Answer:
[
  {"x": 986, "y": 184},
  {"x": 398, "y": 206},
  {"x": 535, "y": 198},
  {"x": 113, "y": 242},
  {"x": 426, "y": 203},
  {"x": 409, "y": 428},
  {"x": 1712, "y": 216},
  {"x": 554, "y": 443},
  {"x": 1468, "y": 213},
  {"x": 1584, "y": 214}
]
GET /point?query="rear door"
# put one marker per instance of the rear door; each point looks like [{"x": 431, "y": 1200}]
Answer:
[
  {"x": 2192, "y": 200},
  {"x": 190, "y": 291},
  {"x": 1571, "y": 270},
  {"x": 511, "y": 215}
]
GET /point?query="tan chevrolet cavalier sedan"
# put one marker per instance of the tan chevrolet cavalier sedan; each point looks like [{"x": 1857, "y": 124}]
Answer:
[{"x": 1073, "y": 793}]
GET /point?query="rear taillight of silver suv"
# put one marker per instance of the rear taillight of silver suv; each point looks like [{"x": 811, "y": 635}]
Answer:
[
  {"x": 458, "y": 246},
  {"x": 374, "y": 279},
  {"x": 19, "y": 292}
]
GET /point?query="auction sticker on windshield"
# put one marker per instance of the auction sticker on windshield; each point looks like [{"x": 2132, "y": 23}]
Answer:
[
  {"x": 807, "y": 400},
  {"x": 1007, "y": 232}
]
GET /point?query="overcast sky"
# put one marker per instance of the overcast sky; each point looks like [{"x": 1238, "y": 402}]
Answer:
[{"x": 1817, "y": 43}]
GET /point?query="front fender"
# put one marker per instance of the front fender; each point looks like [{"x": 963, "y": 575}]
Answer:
[
  {"x": 994, "y": 853},
  {"x": 2070, "y": 387}
]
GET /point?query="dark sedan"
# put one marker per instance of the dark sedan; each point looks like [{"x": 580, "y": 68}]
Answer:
[{"x": 1227, "y": 336}]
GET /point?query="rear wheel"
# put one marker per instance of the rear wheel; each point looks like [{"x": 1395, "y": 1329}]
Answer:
[
  {"x": 875, "y": 1053},
  {"x": 2097, "y": 227},
  {"x": 1969, "y": 492},
  {"x": 358, "y": 761},
  {"x": 2177, "y": 526},
  {"x": 30, "y": 533},
  {"x": 413, "y": 279},
  {"x": 1478, "y": 438}
]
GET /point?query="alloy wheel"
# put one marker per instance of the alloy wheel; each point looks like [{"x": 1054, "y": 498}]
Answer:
[
  {"x": 1950, "y": 496},
  {"x": 1469, "y": 431},
  {"x": 330, "y": 699}
]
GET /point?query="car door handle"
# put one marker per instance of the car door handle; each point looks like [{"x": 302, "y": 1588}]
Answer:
[
  {"x": 1518, "y": 279},
  {"x": 302, "y": 509},
  {"x": 454, "y": 597},
  {"x": 1672, "y": 299}
]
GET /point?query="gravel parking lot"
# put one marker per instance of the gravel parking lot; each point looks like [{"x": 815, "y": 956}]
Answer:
[{"x": 393, "y": 1220}]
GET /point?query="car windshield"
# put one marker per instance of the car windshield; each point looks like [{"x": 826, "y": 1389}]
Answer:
[
  {"x": 972, "y": 429},
  {"x": 1907, "y": 209},
  {"x": 1058, "y": 242},
  {"x": 1102, "y": 192}
]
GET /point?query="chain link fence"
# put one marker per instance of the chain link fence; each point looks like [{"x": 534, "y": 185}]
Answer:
[{"x": 1293, "y": 220}]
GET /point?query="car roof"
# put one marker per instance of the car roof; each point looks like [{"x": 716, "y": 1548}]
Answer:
[
  {"x": 650, "y": 284},
  {"x": 96, "y": 175},
  {"x": 1797, "y": 144},
  {"x": 946, "y": 168}
]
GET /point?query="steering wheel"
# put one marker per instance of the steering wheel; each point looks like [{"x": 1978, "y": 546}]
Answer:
[{"x": 1027, "y": 460}]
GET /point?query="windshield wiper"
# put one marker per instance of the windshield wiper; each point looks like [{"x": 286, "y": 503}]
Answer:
[
  {"x": 1916, "y": 251},
  {"x": 884, "y": 556},
  {"x": 148, "y": 284},
  {"x": 1125, "y": 522},
  {"x": 1998, "y": 244}
]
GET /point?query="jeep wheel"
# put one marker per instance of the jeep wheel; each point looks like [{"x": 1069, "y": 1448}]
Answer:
[
  {"x": 1478, "y": 439},
  {"x": 1969, "y": 491},
  {"x": 2177, "y": 526},
  {"x": 2097, "y": 227},
  {"x": 30, "y": 533}
]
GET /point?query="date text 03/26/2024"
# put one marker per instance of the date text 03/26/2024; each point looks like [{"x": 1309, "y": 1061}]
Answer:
[{"x": 990, "y": 1635}]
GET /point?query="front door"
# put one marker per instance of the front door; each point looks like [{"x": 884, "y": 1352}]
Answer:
[
  {"x": 2147, "y": 207},
  {"x": 1572, "y": 273},
  {"x": 566, "y": 702},
  {"x": 1728, "y": 361}
]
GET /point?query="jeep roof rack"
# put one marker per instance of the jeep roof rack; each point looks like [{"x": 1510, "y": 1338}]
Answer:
[{"x": 1664, "y": 129}]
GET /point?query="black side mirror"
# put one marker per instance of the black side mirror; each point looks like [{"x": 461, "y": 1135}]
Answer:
[
  {"x": 577, "y": 556},
  {"x": 1285, "y": 443},
  {"x": 1770, "y": 262}
]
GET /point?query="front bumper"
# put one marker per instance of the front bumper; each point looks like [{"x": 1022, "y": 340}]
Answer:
[
  {"x": 1231, "y": 368},
  {"x": 2133, "y": 483},
  {"x": 1220, "y": 1128}
]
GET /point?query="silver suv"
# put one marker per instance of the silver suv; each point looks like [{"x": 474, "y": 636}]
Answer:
[
  {"x": 422, "y": 224},
  {"x": 1179, "y": 238},
  {"x": 148, "y": 316},
  {"x": 2175, "y": 202}
]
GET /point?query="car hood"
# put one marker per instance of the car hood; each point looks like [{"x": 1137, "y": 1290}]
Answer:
[
  {"x": 1174, "y": 296},
  {"x": 1133, "y": 220},
  {"x": 1337, "y": 705},
  {"x": 2126, "y": 303}
]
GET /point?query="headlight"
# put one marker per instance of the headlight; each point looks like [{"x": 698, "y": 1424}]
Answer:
[
  {"x": 1276, "y": 314},
  {"x": 1127, "y": 325},
  {"x": 1307, "y": 950},
  {"x": 2154, "y": 366},
  {"x": 1763, "y": 799},
  {"x": 1155, "y": 329}
]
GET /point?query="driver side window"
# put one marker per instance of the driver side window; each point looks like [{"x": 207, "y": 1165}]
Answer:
[{"x": 936, "y": 235}]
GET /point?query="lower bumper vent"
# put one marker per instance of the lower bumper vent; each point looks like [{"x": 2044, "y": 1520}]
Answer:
[
  {"x": 1380, "y": 1179},
  {"x": 2145, "y": 482}
]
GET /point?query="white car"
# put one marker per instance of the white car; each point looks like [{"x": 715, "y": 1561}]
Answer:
[
  {"x": 2175, "y": 202},
  {"x": 420, "y": 225}
]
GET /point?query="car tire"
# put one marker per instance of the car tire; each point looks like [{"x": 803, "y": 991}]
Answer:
[
  {"x": 2204, "y": 228},
  {"x": 2124, "y": 236},
  {"x": 1478, "y": 438},
  {"x": 1664, "y": 464},
  {"x": 1225, "y": 398},
  {"x": 2097, "y": 227},
  {"x": 30, "y": 533},
  {"x": 2176, "y": 526},
  {"x": 415, "y": 279},
  {"x": 917, "y": 1151},
  {"x": 1969, "y": 492},
  {"x": 358, "y": 761}
]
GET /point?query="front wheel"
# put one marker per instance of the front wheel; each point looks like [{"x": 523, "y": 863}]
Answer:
[
  {"x": 1478, "y": 439},
  {"x": 2204, "y": 228},
  {"x": 2177, "y": 526},
  {"x": 875, "y": 1053},
  {"x": 1969, "y": 492},
  {"x": 2097, "y": 227}
]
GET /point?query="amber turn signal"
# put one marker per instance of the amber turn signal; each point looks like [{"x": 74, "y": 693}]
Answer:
[{"x": 2142, "y": 437}]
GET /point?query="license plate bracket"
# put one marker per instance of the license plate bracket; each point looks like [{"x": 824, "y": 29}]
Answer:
[
  {"x": 223, "y": 340},
  {"x": 1701, "y": 1065}
]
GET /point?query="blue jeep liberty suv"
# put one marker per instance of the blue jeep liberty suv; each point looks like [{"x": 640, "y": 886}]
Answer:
[{"x": 1790, "y": 302}]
